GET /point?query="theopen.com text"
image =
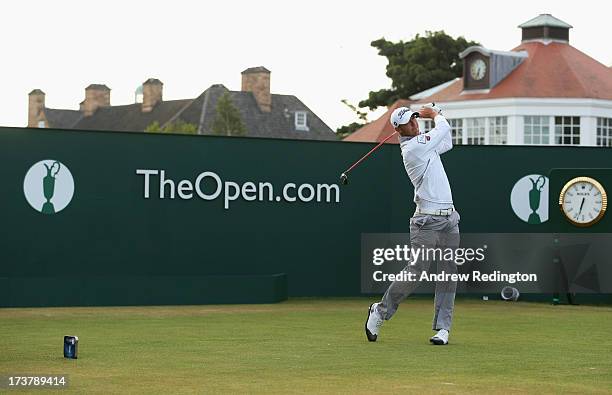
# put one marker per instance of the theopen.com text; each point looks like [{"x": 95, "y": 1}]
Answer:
[{"x": 209, "y": 186}]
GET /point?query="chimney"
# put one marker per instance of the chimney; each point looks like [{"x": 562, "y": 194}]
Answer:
[
  {"x": 151, "y": 94},
  {"x": 96, "y": 96},
  {"x": 257, "y": 80},
  {"x": 36, "y": 106}
]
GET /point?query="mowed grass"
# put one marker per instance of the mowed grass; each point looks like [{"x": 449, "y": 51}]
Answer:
[{"x": 314, "y": 346}]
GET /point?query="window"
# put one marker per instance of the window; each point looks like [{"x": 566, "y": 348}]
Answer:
[
  {"x": 41, "y": 124},
  {"x": 498, "y": 130},
  {"x": 456, "y": 130},
  {"x": 475, "y": 128},
  {"x": 536, "y": 130},
  {"x": 604, "y": 132},
  {"x": 301, "y": 121},
  {"x": 567, "y": 130},
  {"x": 428, "y": 124}
]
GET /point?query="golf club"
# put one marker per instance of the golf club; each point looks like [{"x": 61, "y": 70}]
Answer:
[{"x": 344, "y": 175}]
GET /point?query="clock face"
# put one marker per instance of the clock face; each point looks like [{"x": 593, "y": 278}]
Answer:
[
  {"x": 478, "y": 69},
  {"x": 583, "y": 201}
]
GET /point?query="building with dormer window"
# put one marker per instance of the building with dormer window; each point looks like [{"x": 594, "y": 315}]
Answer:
[
  {"x": 543, "y": 92},
  {"x": 263, "y": 113}
]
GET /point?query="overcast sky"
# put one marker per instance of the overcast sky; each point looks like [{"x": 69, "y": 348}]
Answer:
[{"x": 317, "y": 50}]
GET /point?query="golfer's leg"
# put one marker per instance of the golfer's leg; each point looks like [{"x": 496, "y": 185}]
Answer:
[
  {"x": 444, "y": 303},
  {"x": 399, "y": 290}
]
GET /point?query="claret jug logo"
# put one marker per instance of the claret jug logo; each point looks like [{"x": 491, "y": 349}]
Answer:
[
  {"x": 529, "y": 199},
  {"x": 48, "y": 186}
]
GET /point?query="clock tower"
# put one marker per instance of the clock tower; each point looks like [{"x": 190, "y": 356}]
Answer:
[
  {"x": 476, "y": 72},
  {"x": 484, "y": 68}
]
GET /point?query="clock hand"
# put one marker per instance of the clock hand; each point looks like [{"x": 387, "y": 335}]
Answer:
[{"x": 581, "y": 204}]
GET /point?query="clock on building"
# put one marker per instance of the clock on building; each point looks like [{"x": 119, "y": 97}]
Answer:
[
  {"x": 583, "y": 201},
  {"x": 478, "y": 69}
]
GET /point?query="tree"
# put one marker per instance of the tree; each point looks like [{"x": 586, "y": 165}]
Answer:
[
  {"x": 346, "y": 130},
  {"x": 154, "y": 128},
  {"x": 173, "y": 127},
  {"x": 417, "y": 65},
  {"x": 227, "y": 120}
]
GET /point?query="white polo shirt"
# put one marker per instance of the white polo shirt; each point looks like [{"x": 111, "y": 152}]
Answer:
[{"x": 422, "y": 161}]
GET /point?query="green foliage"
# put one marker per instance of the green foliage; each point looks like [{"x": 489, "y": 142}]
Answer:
[
  {"x": 363, "y": 116},
  {"x": 227, "y": 120},
  {"x": 417, "y": 65},
  {"x": 154, "y": 128},
  {"x": 173, "y": 127},
  {"x": 346, "y": 130}
]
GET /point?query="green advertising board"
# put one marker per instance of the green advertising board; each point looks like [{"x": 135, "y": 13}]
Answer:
[{"x": 94, "y": 218}]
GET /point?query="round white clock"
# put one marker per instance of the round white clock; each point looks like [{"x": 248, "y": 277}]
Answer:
[
  {"x": 583, "y": 201},
  {"x": 478, "y": 69}
]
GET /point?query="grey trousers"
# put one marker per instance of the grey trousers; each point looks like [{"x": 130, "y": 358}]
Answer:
[{"x": 429, "y": 231}]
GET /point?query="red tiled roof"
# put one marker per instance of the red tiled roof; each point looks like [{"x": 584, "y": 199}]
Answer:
[
  {"x": 553, "y": 70},
  {"x": 378, "y": 130}
]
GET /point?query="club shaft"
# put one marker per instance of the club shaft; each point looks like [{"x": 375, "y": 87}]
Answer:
[{"x": 369, "y": 153}]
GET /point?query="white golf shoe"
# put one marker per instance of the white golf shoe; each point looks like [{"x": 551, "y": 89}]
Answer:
[
  {"x": 373, "y": 323},
  {"x": 440, "y": 338}
]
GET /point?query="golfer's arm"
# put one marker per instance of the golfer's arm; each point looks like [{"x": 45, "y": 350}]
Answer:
[{"x": 440, "y": 136}]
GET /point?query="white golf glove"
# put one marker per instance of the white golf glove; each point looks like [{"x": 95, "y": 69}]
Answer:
[{"x": 434, "y": 107}]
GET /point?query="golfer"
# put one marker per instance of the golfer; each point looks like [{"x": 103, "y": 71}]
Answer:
[{"x": 435, "y": 222}]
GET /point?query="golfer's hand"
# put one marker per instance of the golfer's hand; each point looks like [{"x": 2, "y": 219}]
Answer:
[{"x": 428, "y": 112}]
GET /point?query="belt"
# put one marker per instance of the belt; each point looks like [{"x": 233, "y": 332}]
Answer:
[{"x": 443, "y": 212}]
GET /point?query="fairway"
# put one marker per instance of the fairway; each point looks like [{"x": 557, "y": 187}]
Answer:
[{"x": 314, "y": 345}]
